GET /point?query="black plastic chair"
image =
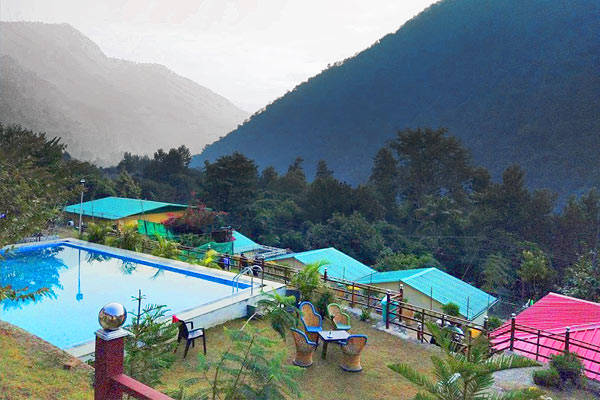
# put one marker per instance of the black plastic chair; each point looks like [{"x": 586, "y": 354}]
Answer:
[{"x": 190, "y": 335}]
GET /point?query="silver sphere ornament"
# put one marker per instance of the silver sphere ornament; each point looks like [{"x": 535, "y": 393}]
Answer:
[{"x": 112, "y": 316}]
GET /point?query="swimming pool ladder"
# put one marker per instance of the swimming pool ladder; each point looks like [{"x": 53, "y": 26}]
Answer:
[{"x": 235, "y": 287}]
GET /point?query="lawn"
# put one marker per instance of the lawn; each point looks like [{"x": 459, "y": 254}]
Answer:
[
  {"x": 325, "y": 379},
  {"x": 33, "y": 369}
]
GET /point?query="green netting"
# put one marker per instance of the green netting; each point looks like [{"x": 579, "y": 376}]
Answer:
[
  {"x": 226, "y": 247},
  {"x": 152, "y": 229}
]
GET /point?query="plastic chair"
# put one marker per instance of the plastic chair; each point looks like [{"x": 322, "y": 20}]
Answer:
[
  {"x": 351, "y": 349},
  {"x": 304, "y": 349},
  {"x": 312, "y": 321},
  {"x": 190, "y": 336}
]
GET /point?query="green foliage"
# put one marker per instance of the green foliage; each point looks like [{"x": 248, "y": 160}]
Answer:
[
  {"x": 534, "y": 271},
  {"x": 583, "y": 280},
  {"x": 165, "y": 248},
  {"x": 324, "y": 297},
  {"x": 365, "y": 314},
  {"x": 149, "y": 351},
  {"x": 308, "y": 279},
  {"x": 248, "y": 369},
  {"x": 569, "y": 368},
  {"x": 460, "y": 376},
  {"x": 196, "y": 220},
  {"x": 451, "y": 309},
  {"x": 210, "y": 259},
  {"x": 126, "y": 186},
  {"x": 127, "y": 238},
  {"x": 495, "y": 273},
  {"x": 547, "y": 377},
  {"x": 281, "y": 312},
  {"x": 97, "y": 232},
  {"x": 401, "y": 261},
  {"x": 494, "y": 323}
]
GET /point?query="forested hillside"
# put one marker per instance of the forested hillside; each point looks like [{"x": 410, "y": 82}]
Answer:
[
  {"x": 517, "y": 81},
  {"x": 53, "y": 78}
]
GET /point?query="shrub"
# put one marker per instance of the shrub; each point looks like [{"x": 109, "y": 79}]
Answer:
[
  {"x": 325, "y": 297},
  {"x": 451, "y": 309},
  {"x": 308, "y": 279},
  {"x": 494, "y": 323},
  {"x": 547, "y": 378},
  {"x": 365, "y": 314},
  {"x": 568, "y": 367}
]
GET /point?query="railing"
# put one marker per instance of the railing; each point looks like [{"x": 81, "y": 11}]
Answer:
[{"x": 532, "y": 343}]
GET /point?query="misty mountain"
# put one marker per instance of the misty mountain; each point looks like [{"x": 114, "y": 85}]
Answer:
[
  {"x": 54, "y": 79},
  {"x": 517, "y": 81}
]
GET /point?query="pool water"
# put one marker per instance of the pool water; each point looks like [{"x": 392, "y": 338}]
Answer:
[{"x": 82, "y": 280}]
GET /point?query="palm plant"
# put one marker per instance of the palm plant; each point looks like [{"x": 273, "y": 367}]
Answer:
[
  {"x": 166, "y": 248},
  {"x": 277, "y": 310},
  {"x": 308, "y": 279},
  {"x": 96, "y": 233},
  {"x": 211, "y": 257},
  {"x": 462, "y": 376}
]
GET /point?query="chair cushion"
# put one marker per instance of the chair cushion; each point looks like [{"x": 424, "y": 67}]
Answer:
[{"x": 343, "y": 327}]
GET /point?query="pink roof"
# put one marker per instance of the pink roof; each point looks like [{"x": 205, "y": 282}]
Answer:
[{"x": 552, "y": 315}]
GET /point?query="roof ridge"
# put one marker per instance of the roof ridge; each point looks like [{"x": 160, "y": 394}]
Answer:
[
  {"x": 573, "y": 298},
  {"x": 419, "y": 273}
]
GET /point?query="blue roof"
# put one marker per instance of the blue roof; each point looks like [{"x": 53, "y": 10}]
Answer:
[
  {"x": 119, "y": 207},
  {"x": 444, "y": 287},
  {"x": 340, "y": 265},
  {"x": 242, "y": 244}
]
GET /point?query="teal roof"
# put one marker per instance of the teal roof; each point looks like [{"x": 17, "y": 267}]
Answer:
[
  {"x": 444, "y": 287},
  {"x": 242, "y": 244},
  {"x": 339, "y": 265},
  {"x": 119, "y": 207}
]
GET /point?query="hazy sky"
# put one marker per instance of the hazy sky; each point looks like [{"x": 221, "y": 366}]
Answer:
[{"x": 249, "y": 51}]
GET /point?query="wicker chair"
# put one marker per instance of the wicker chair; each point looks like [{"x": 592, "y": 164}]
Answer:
[
  {"x": 312, "y": 321},
  {"x": 351, "y": 350},
  {"x": 333, "y": 309},
  {"x": 304, "y": 349}
]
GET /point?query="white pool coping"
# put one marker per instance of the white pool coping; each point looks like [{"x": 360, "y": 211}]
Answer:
[{"x": 205, "y": 315}]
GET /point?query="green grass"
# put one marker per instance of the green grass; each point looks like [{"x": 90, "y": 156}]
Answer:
[
  {"x": 33, "y": 369},
  {"x": 325, "y": 379}
]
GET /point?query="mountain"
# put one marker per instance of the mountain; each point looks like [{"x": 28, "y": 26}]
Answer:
[
  {"x": 54, "y": 79},
  {"x": 517, "y": 81}
]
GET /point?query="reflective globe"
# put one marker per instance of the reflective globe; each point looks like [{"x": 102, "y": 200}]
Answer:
[{"x": 112, "y": 316}]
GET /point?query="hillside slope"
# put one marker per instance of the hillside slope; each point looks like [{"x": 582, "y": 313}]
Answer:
[
  {"x": 517, "y": 81},
  {"x": 55, "y": 79}
]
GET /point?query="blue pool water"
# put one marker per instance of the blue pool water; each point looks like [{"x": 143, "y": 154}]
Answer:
[{"x": 82, "y": 280}]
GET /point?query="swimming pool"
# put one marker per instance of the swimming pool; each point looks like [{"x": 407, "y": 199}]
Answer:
[{"x": 82, "y": 279}]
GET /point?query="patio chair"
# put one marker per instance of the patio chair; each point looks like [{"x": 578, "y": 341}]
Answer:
[
  {"x": 304, "y": 349},
  {"x": 190, "y": 336},
  {"x": 333, "y": 309},
  {"x": 312, "y": 321},
  {"x": 342, "y": 321},
  {"x": 351, "y": 349}
]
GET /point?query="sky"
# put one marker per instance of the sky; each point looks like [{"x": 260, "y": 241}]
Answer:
[{"x": 249, "y": 51}]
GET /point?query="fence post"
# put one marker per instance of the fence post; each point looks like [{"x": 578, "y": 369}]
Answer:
[
  {"x": 567, "y": 338},
  {"x": 485, "y": 324},
  {"x": 387, "y": 310},
  {"x": 513, "y": 321},
  {"x": 368, "y": 296},
  {"x": 443, "y": 321},
  {"x": 420, "y": 331},
  {"x": 402, "y": 291},
  {"x": 537, "y": 347},
  {"x": 352, "y": 298},
  {"x": 422, "y": 325},
  {"x": 468, "y": 343},
  {"x": 325, "y": 275}
]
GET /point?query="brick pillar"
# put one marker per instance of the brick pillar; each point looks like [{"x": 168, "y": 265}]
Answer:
[{"x": 108, "y": 363}]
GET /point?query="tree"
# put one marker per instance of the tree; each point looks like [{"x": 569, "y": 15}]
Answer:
[
  {"x": 268, "y": 178},
  {"x": 432, "y": 164},
  {"x": 294, "y": 181},
  {"x": 149, "y": 350},
  {"x": 231, "y": 183},
  {"x": 323, "y": 171},
  {"x": 534, "y": 271},
  {"x": 495, "y": 273},
  {"x": 385, "y": 178},
  {"x": 402, "y": 261},
  {"x": 462, "y": 376},
  {"x": 583, "y": 280},
  {"x": 324, "y": 197},
  {"x": 127, "y": 187}
]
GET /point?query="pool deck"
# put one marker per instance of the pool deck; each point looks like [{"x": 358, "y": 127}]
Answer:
[{"x": 206, "y": 315}]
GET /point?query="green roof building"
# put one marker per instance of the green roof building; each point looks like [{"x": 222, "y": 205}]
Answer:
[
  {"x": 124, "y": 211},
  {"x": 339, "y": 265},
  {"x": 432, "y": 288}
]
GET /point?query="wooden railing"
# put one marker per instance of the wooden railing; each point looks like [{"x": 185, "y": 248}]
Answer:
[{"x": 517, "y": 337}]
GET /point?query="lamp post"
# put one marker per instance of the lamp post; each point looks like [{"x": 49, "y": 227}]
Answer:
[{"x": 82, "y": 181}]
